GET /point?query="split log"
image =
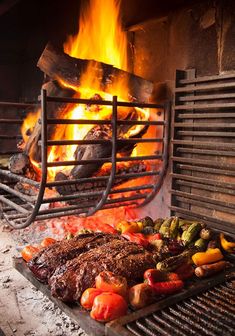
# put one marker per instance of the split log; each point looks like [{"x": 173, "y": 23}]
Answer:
[
  {"x": 58, "y": 65},
  {"x": 99, "y": 151},
  {"x": 19, "y": 163},
  {"x": 96, "y": 186}
]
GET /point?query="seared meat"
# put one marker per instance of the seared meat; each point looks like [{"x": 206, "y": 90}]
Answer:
[
  {"x": 120, "y": 257},
  {"x": 47, "y": 260}
]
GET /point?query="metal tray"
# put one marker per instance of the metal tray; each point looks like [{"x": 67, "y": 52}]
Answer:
[{"x": 94, "y": 328}]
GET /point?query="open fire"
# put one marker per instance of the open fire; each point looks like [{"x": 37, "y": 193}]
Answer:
[
  {"x": 97, "y": 42},
  {"x": 96, "y": 142}
]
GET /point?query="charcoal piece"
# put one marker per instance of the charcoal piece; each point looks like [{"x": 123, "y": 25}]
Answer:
[
  {"x": 48, "y": 259},
  {"x": 121, "y": 257}
]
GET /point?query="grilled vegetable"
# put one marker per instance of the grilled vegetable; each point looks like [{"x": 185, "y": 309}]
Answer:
[
  {"x": 227, "y": 245},
  {"x": 205, "y": 234},
  {"x": 201, "y": 244},
  {"x": 185, "y": 271},
  {"x": 141, "y": 295},
  {"x": 88, "y": 297},
  {"x": 148, "y": 230},
  {"x": 108, "y": 306},
  {"x": 183, "y": 222},
  {"x": 129, "y": 227},
  {"x": 165, "y": 227},
  {"x": 153, "y": 275},
  {"x": 207, "y": 270},
  {"x": 213, "y": 244},
  {"x": 157, "y": 224},
  {"x": 168, "y": 287},
  {"x": 174, "y": 227},
  {"x": 175, "y": 247},
  {"x": 109, "y": 282},
  {"x": 208, "y": 257},
  {"x": 147, "y": 221},
  {"x": 29, "y": 252},
  {"x": 47, "y": 242},
  {"x": 191, "y": 233},
  {"x": 69, "y": 236},
  {"x": 172, "y": 263}
]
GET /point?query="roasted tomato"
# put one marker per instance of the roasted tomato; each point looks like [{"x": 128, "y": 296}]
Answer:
[
  {"x": 109, "y": 282},
  {"x": 48, "y": 241},
  {"x": 89, "y": 296},
  {"x": 108, "y": 307},
  {"x": 29, "y": 252},
  {"x": 141, "y": 295}
]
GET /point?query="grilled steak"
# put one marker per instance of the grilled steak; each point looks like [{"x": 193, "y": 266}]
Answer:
[
  {"x": 121, "y": 257},
  {"x": 47, "y": 260}
]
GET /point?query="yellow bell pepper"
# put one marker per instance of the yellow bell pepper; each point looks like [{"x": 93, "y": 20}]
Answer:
[
  {"x": 129, "y": 227},
  {"x": 227, "y": 245},
  {"x": 208, "y": 257}
]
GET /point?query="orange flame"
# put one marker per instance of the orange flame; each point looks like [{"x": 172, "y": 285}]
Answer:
[
  {"x": 100, "y": 35},
  {"x": 100, "y": 39}
]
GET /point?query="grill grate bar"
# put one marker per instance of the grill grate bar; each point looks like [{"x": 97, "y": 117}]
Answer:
[
  {"x": 178, "y": 322},
  {"x": 193, "y": 325},
  {"x": 202, "y": 319},
  {"x": 134, "y": 329},
  {"x": 213, "y": 305},
  {"x": 143, "y": 327},
  {"x": 230, "y": 286},
  {"x": 202, "y": 310},
  {"x": 225, "y": 290},
  {"x": 214, "y": 313},
  {"x": 223, "y": 296},
  {"x": 176, "y": 329},
  {"x": 221, "y": 302}
]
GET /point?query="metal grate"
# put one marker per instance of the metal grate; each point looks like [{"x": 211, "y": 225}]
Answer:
[
  {"x": 210, "y": 313},
  {"x": 202, "y": 149},
  {"x": 21, "y": 210}
]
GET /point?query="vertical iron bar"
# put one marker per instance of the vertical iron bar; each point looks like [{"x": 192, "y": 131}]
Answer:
[
  {"x": 113, "y": 160},
  {"x": 166, "y": 129},
  {"x": 43, "y": 161}
]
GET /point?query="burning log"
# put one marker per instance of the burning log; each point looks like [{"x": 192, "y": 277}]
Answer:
[
  {"x": 97, "y": 151},
  {"x": 100, "y": 185},
  {"x": 60, "y": 66},
  {"x": 19, "y": 163}
]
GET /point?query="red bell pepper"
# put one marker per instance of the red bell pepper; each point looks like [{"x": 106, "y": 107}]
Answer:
[
  {"x": 155, "y": 236},
  {"x": 153, "y": 276},
  {"x": 137, "y": 238},
  {"x": 167, "y": 287}
]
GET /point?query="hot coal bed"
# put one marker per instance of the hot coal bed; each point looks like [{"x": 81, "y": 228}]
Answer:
[{"x": 188, "y": 172}]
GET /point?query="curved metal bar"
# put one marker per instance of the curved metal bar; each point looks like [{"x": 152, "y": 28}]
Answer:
[
  {"x": 33, "y": 215},
  {"x": 113, "y": 157},
  {"x": 23, "y": 220},
  {"x": 166, "y": 141}
]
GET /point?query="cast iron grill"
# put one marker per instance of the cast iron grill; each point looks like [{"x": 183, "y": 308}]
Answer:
[
  {"x": 202, "y": 149},
  {"x": 20, "y": 209},
  {"x": 208, "y": 313}
]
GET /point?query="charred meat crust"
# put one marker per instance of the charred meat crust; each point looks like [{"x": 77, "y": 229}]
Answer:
[
  {"x": 47, "y": 260},
  {"x": 121, "y": 257}
]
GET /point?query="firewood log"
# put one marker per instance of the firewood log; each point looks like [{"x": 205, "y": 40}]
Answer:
[{"x": 58, "y": 65}]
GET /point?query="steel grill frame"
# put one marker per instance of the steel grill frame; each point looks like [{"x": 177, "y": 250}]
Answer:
[{"x": 21, "y": 210}]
